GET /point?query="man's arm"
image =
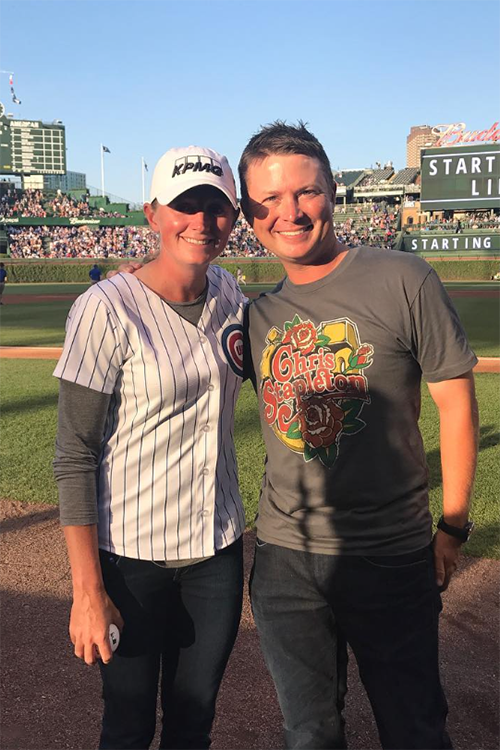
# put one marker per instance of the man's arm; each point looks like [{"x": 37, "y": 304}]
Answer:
[{"x": 459, "y": 423}]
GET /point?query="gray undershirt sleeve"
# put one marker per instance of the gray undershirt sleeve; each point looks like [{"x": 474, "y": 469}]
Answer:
[
  {"x": 81, "y": 422},
  {"x": 82, "y": 418}
]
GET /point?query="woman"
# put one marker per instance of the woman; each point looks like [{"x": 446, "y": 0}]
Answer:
[{"x": 146, "y": 466}]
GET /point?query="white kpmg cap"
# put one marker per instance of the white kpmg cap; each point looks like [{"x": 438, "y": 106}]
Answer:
[{"x": 181, "y": 169}]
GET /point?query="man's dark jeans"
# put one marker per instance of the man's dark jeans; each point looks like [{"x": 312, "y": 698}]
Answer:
[
  {"x": 387, "y": 608},
  {"x": 185, "y": 619}
]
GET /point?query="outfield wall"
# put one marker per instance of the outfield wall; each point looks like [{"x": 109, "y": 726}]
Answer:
[
  {"x": 133, "y": 219},
  {"x": 256, "y": 271}
]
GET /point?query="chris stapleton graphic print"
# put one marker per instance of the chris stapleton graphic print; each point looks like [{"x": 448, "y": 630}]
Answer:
[{"x": 313, "y": 385}]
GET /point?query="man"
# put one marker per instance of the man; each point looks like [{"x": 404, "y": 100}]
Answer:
[
  {"x": 344, "y": 528},
  {"x": 95, "y": 274},
  {"x": 240, "y": 277},
  {"x": 3, "y": 279}
]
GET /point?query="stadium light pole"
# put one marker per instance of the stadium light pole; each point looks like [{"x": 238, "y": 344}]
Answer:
[{"x": 102, "y": 170}]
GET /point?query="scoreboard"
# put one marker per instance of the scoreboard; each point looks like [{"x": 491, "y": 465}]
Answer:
[
  {"x": 464, "y": 177},
  {"x": 31, "y": 147}
]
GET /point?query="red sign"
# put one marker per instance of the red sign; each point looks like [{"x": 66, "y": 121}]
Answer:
[{"x": 457, "y": 134}]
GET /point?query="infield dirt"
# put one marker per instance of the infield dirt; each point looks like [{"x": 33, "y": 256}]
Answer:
[{"x": 51, "y": 701}]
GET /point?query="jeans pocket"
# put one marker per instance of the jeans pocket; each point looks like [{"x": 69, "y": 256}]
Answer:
[
  {"x": 115, "y": 560},
  {"x": 399, "y": 562}
]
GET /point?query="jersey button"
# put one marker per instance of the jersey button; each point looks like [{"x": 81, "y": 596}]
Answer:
[
  {"x": 205, "y": 471},
  {"x": 211, "y": 387},
  {"x": 205, "y": 513},
  {"x": 206, "y": 428},
  {"x": 203, "y": 340}
]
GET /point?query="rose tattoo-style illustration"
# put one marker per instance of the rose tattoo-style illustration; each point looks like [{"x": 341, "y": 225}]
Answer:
[{"x": 313, "y": 385}]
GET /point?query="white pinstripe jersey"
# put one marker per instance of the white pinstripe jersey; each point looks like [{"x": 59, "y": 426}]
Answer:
[{"x": 167, "y": 485}]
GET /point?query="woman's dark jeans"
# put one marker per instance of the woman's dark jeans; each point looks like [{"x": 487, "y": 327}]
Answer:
[
  {"x": 184, "y": 619},
  {"x": 386, "y": 608}
]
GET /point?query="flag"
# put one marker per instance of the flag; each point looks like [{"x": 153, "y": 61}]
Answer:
[
  {"x": 146, "y": 167},
  {"x": 106, "y": 150},
  {"x": 11, "y": 84}
]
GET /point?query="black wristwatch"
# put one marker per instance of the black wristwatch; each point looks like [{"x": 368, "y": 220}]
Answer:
[{"x": 462, "y": 534}]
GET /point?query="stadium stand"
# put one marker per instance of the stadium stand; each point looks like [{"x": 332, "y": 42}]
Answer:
[
  {"x": 466, "y": 223},
  {"x": 81, "y": 242},
  {"x": 348, "y": 177},
  {"x": 377, "y": 176},
  {"x": 376, "y": 207},
  {"x": 405, "y": 176},
  {"x": 36, "y": 204}
]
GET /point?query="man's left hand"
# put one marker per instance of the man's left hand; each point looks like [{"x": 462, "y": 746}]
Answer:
[
  {"x": 446, "y": 554},
  {"x": 124, "y": 268}
]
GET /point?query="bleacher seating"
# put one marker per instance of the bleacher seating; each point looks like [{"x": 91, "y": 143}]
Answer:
[
  {"x": 33, "y": 203},
  {"x": 405, "y": 176},
  {"x": 375, "y": 177},
  {"x": 348, "y": 177}
]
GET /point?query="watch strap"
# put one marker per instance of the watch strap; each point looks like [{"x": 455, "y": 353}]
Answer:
[{"x": 462, "y": 533}]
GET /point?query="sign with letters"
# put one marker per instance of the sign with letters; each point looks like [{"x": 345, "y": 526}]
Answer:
[
  {"x": 464, "y": 177},
  {"x": 446, "y": 242},
  {"x": 31, "y": 147}
]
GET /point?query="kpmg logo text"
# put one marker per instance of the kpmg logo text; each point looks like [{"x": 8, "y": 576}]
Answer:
[{"x": 195, "y": 163}]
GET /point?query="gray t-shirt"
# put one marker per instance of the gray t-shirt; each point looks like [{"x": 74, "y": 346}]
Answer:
[{"x": 338, "y": 365}]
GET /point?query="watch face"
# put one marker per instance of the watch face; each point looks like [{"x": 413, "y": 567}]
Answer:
[{"x": 469, "y": 528}]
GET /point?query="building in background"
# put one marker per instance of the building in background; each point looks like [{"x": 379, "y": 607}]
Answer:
[
  {"x": 421, "y": 136},
  {"x": 63, "y": 182}
]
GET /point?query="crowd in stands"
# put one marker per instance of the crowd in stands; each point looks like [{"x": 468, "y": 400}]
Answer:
[
  {"x": 28, "y": 203},
  {"x": 373, "y": 224},
  {"x": 458, "y": 224},
  {"x": 26, "y": 242},
  {"x": 81, "y": 242},
  {"x": 243, "y": 242},
  {"x": 33, "y": 204},
  {"x": 376, "y": 228},
  {"x": 110, "y": 242}
]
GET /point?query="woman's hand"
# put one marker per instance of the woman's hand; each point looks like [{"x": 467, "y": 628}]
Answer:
[
  {"x": 92, "y": 611},
  {"x": 91, "y": 616}
]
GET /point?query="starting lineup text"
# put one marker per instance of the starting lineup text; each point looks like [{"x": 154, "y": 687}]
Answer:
[
  {"x": 465, "y": 177},
  {"x": 456, "y": 242}
]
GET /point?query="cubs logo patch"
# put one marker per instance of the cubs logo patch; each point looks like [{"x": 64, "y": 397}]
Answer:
[
  {"x": 314, "y": 386},
  {"x": 232, "y": 344}
]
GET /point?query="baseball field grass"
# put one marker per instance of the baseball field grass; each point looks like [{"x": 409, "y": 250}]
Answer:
[
  {"x": 29, "y": 419},
  {"x": 41, "y": 323}
]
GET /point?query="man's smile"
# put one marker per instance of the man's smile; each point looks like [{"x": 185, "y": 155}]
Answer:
[{"x": 294, "y": 232}]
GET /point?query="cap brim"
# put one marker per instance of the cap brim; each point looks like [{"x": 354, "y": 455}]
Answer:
[{"x": 167, "y": 197}]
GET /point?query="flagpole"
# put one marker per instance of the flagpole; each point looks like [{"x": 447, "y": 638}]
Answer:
[
  {"x": 102, "y": 170},
  {"x": 142, "y": 175}
]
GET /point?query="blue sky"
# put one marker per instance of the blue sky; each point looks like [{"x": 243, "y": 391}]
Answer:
[{"x": 142, "y": 77}]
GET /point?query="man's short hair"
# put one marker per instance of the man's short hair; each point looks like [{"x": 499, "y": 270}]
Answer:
[{"x": 280, "y": 138}]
